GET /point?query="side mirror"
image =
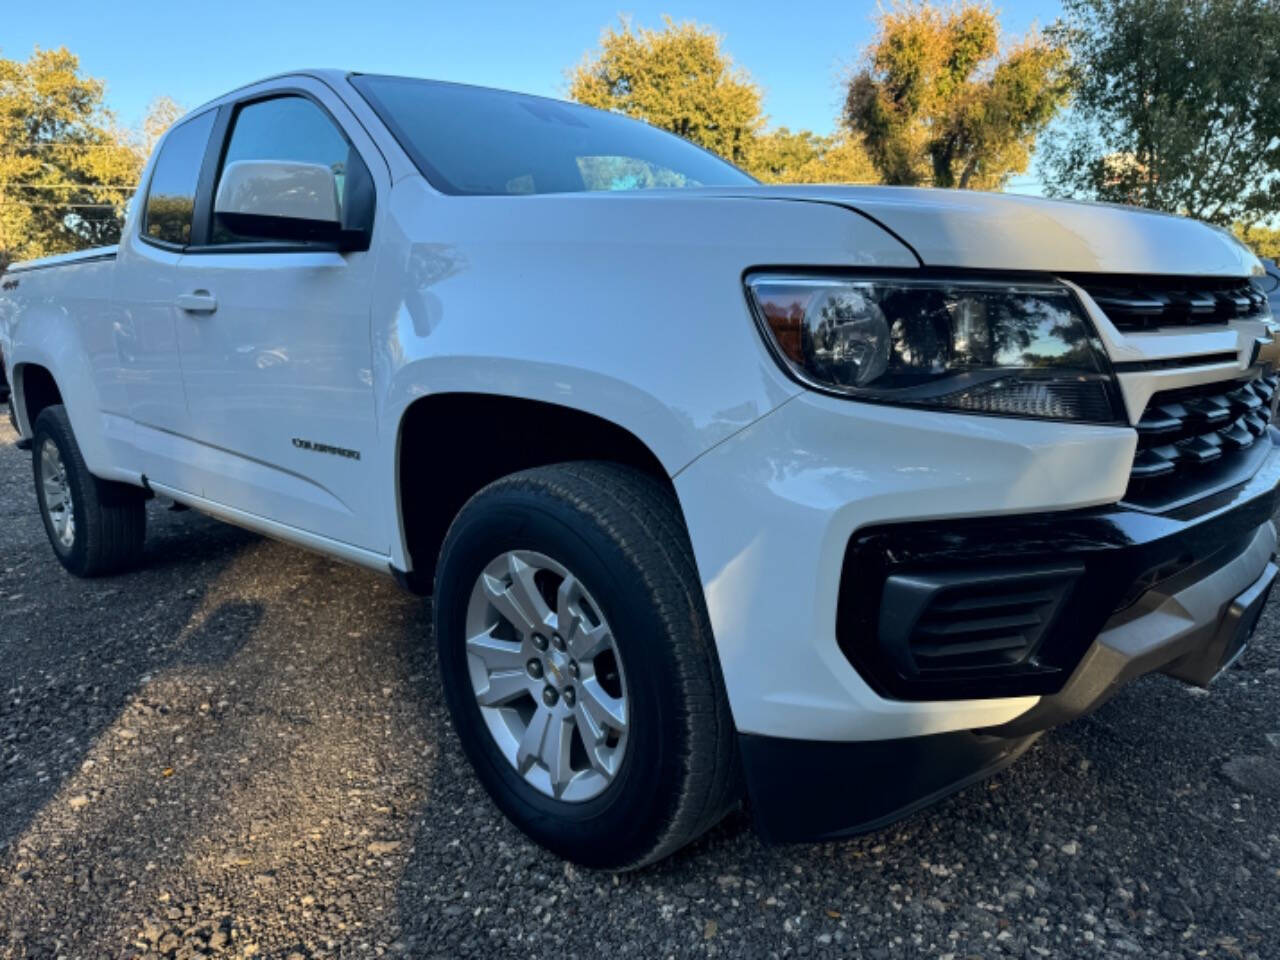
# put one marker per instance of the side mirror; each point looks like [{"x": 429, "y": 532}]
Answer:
[{"x": 280, "y": 200}]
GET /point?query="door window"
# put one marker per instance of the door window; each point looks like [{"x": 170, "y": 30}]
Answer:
[
  {"x": 285, "y": 128},
  {"x": 171, "y": 195}
]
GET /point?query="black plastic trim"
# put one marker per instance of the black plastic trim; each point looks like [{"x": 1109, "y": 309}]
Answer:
[
  {"x": 1124, "y": 552},
  {"x": 20, "y": 268},
  {"x": 1175, "y": 363},
  {"x": 1136, "y": 303},
  {"x": 1194, "y": 441},
  {"x": 202, "y": 219},
  {"x": 805, "y": 790},
  {"x": 1196, "y": 656},
  {"x": 952, "y": 619}
]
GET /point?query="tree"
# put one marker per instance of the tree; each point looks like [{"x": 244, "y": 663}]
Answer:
[
  {"x": 676, "y": 78},
  {"x": 938, "y": 102},
  {"x": 66, "y": 171},
  {"x": 781, "y": 156},
  {"x": 1177, "y": 106},
  {"x": 162, "y": 112},
  {"x": 1264, "y": 241}
]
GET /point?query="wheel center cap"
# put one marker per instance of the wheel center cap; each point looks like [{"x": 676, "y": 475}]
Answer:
[{"x": 558, "y": 666}]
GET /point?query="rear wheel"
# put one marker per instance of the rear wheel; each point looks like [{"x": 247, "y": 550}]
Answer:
[
  {"x": 579, "y": 666},
  {"x": 95, "y": 527}
]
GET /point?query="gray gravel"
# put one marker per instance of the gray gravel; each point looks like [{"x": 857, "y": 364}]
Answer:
[{"x": 242, "y": 749}]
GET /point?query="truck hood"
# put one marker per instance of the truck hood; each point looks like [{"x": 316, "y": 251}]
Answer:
[{"x": 1000, "y": 231}]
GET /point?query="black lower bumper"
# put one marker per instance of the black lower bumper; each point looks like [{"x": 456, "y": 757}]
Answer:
[
  {"x": 1008, "y": 606},
  {"x": 820, "y": 790},
  {"x": 803, "y": 790}
]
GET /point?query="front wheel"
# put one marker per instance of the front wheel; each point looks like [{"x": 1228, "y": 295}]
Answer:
[
  {"x": 579, "y": 666},
  {"x": 95, "y": 526}
]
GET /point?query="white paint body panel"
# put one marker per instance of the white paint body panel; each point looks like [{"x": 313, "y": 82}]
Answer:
[
  {"x": 628, "y": 307},
  {"x": 970, "y": 228},
  {"x": 808, "y": 476}
]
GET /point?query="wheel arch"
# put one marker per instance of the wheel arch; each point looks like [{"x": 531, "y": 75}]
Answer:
[
  {"x": 34, "y": 388},
  {"x": 484, "y": 436}
]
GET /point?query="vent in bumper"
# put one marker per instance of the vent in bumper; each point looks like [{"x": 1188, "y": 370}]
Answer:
[
  {"x": 981, "y": 620},
  {"x": 1147, "y": 303},
  {"x": 1075, "y": 570},
  {"x": 1199, "y": 439}
]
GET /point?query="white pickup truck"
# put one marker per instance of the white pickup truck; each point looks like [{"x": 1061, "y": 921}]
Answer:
[{"x": 831, "y": 499}]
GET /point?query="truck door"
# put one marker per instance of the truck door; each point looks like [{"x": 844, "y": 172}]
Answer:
[
  {"x": 275, "y": 343},
  {"x": 143, "y": 351}
]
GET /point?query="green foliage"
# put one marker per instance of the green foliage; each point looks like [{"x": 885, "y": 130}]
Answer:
[
  {"x": 679, "y": 78},
  {"x": 66, "y": 171},
  {"x": 937, "y": 102},
  {"x": 162, "y": 112},
  {"x": 803, "y": 157},
  {"x": 676, "y": 78},
  {"x": 1177, "y": 106},
  {"x": 1264, "y": 241}
]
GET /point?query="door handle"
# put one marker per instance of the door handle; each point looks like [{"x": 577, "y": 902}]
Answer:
[{"x": 199, "y": 301}]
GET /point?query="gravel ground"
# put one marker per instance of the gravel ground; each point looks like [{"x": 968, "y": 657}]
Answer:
[{"x": 242, "y": 749}]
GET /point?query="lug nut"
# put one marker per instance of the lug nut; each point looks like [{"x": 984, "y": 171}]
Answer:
[
  {"x": 540, "y": 641},
  {"x": 573, "y": 669},
  {"x": 549, "y": 696},
  {"x": 535, "y": 669},
  {"x": 569, "y": 696},
  {"x": 557, "y": 641}
]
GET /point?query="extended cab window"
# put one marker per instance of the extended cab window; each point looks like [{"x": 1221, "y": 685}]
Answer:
[
  {"x": 284, "y": 128},
  {"x": 171, "y": 195}
]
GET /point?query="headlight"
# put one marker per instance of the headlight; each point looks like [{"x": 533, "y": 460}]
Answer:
[{"x": 1019, "y": 349}]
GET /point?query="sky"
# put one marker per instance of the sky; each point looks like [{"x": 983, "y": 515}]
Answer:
[{"x": 798, "y": 50}]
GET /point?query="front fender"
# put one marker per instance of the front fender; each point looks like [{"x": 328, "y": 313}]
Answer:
[{"x": 631, "y": 309}]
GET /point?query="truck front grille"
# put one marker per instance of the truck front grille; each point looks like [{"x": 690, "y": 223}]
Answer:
[
  {"x": 1134, "y": 304},
  {"x": 1194, "y": 440}
]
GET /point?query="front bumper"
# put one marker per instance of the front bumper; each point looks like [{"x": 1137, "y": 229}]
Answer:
[
  {"x": 1190, "y": 629},
  {"x": 1165, "y": 592}
]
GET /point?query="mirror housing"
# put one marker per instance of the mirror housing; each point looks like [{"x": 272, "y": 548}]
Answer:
[{"x": 287, "y": 201}]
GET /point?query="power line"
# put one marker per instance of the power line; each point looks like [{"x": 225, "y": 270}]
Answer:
[
  {"x": 71, "y": 145},
  {"x": 68, "y": 186},
  {"x": 60, "y": 206}
]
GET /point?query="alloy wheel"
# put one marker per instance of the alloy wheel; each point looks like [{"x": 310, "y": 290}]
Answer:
[
  {"x": 547, "y": 675},
  {"x": 57, "y": 494}
]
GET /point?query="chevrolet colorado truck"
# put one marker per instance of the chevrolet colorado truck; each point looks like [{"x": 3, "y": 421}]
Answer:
[{"x": 828, "y": 498}]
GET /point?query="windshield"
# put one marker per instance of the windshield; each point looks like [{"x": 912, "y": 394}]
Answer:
[{"x": 472, "y": 140}]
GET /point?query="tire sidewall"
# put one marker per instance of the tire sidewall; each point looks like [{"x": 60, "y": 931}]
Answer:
[
  {"x": 49, "y": 427},
  {"x": 619, "y": 823}
]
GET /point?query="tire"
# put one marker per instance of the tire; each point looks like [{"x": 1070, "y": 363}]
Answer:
[
  {"x": 620, "y": 535},
  {"x": 109, "y": 519}
]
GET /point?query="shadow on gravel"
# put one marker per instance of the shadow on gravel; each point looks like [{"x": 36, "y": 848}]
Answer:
[
  {"x": 222, "y": 634},
  {"x": 84, "y": 674},
  {"x": 258, "y": 757}
]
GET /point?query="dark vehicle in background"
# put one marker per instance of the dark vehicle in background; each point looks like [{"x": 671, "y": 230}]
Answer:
[{"x": 1270, "y": 285}]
